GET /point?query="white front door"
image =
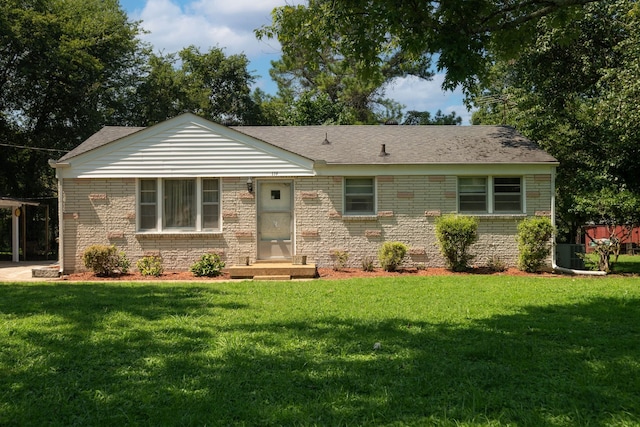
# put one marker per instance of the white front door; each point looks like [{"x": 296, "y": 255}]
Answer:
[{"x": 275, "y": 225}]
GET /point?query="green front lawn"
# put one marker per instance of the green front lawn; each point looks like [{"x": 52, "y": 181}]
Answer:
[
  {"x": 456, "y": 350},
  {"x": 626, "y": 264}
]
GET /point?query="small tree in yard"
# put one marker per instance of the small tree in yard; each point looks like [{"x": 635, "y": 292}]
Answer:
[
  {"x": 534, "y": 243},
  {"x": 455, "y": 235},
  {"x": 617, "y": 208}
]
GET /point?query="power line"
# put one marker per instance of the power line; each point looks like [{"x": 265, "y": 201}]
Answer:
[{"x": 33, "y": 148}]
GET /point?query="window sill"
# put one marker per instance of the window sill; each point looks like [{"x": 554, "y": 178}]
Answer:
[
  {"x": 495, "y": 215},
  {"x": 177, "y": 234},
  {"x": 371, "y": 217}
]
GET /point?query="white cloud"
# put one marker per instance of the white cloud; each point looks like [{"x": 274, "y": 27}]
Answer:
[
  {"x": 229, "y": 25},
  {"x": 237, "y": 7}
]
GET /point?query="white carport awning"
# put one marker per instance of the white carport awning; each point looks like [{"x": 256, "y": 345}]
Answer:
[{"x": 16, "y": 209}]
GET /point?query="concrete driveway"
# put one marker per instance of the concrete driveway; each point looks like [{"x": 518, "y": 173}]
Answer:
[{"x": 23, "y": 271}]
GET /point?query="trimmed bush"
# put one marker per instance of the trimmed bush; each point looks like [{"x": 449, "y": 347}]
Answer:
[
  {"x": 150, "y": 266},
  {"x": 105, "y": 260},
  {"x": 391, "y": 255},
  {"x": 367, "y": 264},
  {"x": 209, "y": 265},
  {"x": 534, "y": 243},
  {"x": 340, "y": 259},
  {"x": 455, "y": 235}
]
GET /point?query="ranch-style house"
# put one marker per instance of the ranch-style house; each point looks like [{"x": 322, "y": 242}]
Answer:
[{"x": 188, "y": 186}]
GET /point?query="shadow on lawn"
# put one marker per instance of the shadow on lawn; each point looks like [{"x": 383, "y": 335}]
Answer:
[{"x": 171, "y": 356}]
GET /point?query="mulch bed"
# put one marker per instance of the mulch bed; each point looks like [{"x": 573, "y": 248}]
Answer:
[{"x": 324, "y": 273}]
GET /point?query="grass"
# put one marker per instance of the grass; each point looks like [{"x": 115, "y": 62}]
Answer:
[
  {"x": 626, "y": 264},
  {"x": 482, "y": 350}
]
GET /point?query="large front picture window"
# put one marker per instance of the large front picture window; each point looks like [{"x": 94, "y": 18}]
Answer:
[
  {"x": 359, "y": 196},
  {"x": 179, "y": 204}
]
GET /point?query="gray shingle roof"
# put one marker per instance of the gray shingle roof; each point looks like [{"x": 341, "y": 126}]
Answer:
[
  {"x": 362, "y": 144},
  {"x": 404, "y": 144},
  {"x": 104, "y": 136}
]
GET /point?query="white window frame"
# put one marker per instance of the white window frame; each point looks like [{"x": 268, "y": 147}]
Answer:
[
  {"x": 487, "y": 185},
  {"x": 374, "y": 210},
  {"x": 140, "y": 203},
  {"x": 519, "y": 193},
  {"x": 159, "y": 228},
  {"x": 490, "y": 196}
]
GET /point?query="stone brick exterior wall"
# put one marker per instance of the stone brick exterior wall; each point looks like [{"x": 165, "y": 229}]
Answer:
[
  {"x": 103, "y": 211},
  {"x": 408, "y": 207}
]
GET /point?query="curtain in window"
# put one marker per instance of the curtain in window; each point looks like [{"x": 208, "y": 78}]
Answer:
[{"x": 179, "y": 203}]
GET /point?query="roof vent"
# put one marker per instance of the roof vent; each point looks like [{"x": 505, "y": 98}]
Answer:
[
  {"x": 383, "y": 151},
  {"x": 326, "y": 140}
]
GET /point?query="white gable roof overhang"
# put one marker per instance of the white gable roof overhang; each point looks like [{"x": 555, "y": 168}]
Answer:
[{"x": 185, "y": 146}]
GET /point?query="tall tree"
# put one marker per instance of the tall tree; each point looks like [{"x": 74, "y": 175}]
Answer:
[
  {"x": 316, "y": 67},
  {"x": 575, "y": 90},
  {"x": 467, "y": 35},
  {"x": 424, "y": 118},
  {"x": 210, "y": 84},
  {"x": 65, "y": 66}
]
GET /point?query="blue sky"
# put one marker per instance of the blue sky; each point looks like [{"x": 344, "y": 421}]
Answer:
[{"x": 229, "y": 24}]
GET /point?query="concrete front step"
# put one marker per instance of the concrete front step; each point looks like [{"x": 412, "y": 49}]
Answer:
[
  {"x": 46, "y": 272},
  {"x": 272, "y": 277},
  {"x": 273, "y": 271}
]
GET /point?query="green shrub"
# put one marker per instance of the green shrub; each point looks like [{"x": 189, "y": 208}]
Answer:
[
  {"x": 391, "y": 255},
  {"x": 496, "y": 265},
  {"x": 340, "y": 259},
  {"x": 105, "y": 260},
  {"x": 534, "y": 243},
  {"x": 150, "y": 266},
  {"x": 455, "y": 235},
  {"x": 367, "y": 264},
  {"x": 209, "y": 265}
]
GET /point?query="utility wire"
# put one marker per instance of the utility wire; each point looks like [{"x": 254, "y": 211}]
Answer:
[{"x": 33, "y": 148}]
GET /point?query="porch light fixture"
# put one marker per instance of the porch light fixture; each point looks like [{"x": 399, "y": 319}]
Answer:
[{"x": 249, "y": 185}]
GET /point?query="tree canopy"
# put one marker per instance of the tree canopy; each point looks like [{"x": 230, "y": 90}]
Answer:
[
  {"x": 424, "y": 118},
  {"x": 315, "y": 66},
  {"x": 466, "y": 36},
  {"x": 210, "y": 84},
  {"x": 65, "y": 65},
  {"x": 575, "y": 91}
]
